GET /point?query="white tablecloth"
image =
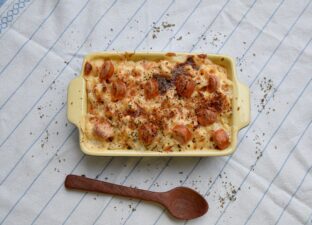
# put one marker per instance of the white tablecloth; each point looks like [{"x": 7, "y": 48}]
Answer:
[{"x": 42, "y": 44}]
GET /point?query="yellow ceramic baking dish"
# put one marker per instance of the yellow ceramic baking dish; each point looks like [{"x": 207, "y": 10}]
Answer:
[{"x": 77, "y": 106}]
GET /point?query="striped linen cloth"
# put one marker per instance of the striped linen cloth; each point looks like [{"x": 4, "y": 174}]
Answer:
[{"x": 42, "y": 44}]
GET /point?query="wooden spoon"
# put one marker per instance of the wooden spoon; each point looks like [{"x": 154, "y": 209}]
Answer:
[{"x": 183, "y": 203}]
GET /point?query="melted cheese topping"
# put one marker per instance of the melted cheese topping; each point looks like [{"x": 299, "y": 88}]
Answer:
[{"x": 112, "y": 124}]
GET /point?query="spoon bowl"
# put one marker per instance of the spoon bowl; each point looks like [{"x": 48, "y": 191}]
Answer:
[{"x": 185, "y": 203}]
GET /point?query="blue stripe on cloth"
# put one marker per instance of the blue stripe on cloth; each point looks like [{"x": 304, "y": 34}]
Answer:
[
  {"x": 154, "y": 180},
  {"x": 275, "y": 132},
  {"x": 266, "y": 22},
  {"x": 29, "y": 186},
  {"x": 52, "y": 119},
  {"x": 237, "y": 25},
  {"x": 186, "y": 19},
  {"x": 43, "y": 57},
  {"x": 2, "y": 2},
  {"x": 277, "y": 174},
  {"x": 8, "y": 18},
  {"x": 92, "y": 29},
  {"x": 209, "y": 26},
  {"x": 18, "y": 18},
  {"x": 266, "y": 63},
  {"x": 137, "y": 46},
  {"x": 157, "y": 21},
  {"x": 15, "y": 165},
  {"x": 293, "y": 194},
  {"x": 194, "y": 46},
  {"x": 100, "y": 173},
  {"x": 122, "y": 29},
  {"x": 6, "y": 9},
  {"x": 163, "y": 49},
  {"x": 187, "y": 176},
  {"x": 274, "y": 51},
  {"x": 261, "y": 31},
  {"x": 253, "y": 42},
  {"x": 78, "y": 203},
  {"x": 106, "y": 48},
  {"x": 56, "y": 78},
  {"x": 31, "y": 36},
  {"x": 60, "y": 73},
  {"x": 99, "y": 216},
  {"x": 29, "y": 148},
  {"x": 61, "y": 185},
  {"x": 170, "y": 39},
  {"x": 140, "y": 159}
]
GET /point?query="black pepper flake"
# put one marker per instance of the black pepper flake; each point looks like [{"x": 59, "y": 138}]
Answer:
[
  {"x": 163, "y": 83},
  {"x": 266, "y": 86}
]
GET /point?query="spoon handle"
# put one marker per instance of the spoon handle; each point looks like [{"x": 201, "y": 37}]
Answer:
[{"x": 87, "y": 184}]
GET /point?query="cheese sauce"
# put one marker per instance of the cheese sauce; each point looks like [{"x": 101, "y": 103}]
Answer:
[{"x": 166, "y": 105}]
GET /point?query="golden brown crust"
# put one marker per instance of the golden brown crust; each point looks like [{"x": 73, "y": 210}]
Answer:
[{"x": 164, "y": 105}]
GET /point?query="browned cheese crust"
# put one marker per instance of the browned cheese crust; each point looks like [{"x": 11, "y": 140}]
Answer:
[{"x": 174, "y": 104}]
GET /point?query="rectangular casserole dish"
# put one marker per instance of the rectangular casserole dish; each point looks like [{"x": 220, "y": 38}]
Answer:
[{"x": 77, "y": 106}]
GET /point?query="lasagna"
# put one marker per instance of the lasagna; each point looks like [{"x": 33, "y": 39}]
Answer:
[{"x": 176, "y": 103}]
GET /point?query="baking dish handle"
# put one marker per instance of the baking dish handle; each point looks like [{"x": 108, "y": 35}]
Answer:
[
  {"x": 75, "y": 104},
  {"x": 243, "y": 103}
]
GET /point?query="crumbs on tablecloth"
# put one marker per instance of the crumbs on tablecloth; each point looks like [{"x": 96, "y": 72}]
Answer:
[
  {"x": 258, "y": 141},
  {"x": 164, "y": 26},
  {"x": 266, "y": 86},
  {"x": 228, "y": 191}
]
